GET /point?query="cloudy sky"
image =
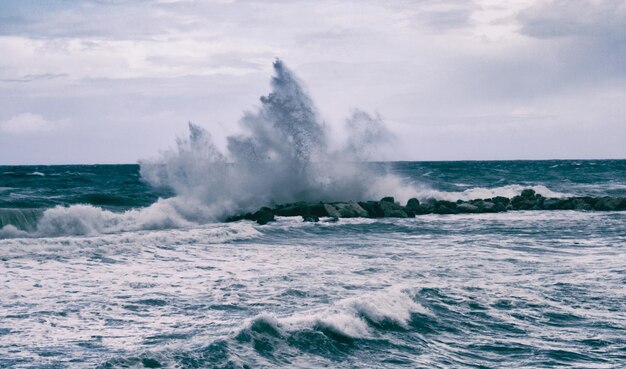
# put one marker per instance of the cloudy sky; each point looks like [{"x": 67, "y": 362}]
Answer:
[{"x": 116, "y": 81}]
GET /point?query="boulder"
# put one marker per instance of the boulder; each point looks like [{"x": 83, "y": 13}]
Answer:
[
  {"x": 388, "y": 199},
  {"x": 522, "y": 202},
  {"x": 310, "y": 218},
  {"x": 351, "y": 210},
  {"x": 413, "y": 204},
  {"x": 500, "y": 200},
  {"x": 331, "y": 211},
  {"x": 392, "y": 210},
  {"x": 372, "y": 208},
  {"x": 445, "y": 207},
  {"x": 582, "y": 203},
  {"x": 466, "y": 207},
  {"x": 529, "y": 192},
  {"x": 551, "y": 204},
  {"x": 263, "y": 216},
  {"x": 608, "y": 203},
  {"x": 290, "y": 210}
]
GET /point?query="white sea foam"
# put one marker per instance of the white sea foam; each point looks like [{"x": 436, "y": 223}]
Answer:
[
  {"x": 207, "y": 234},
  {"x": 351, "y": 317},
  {"x": 508, "y": 191}
]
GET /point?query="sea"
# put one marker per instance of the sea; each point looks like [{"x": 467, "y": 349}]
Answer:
[{"x": 102, "y": 266}]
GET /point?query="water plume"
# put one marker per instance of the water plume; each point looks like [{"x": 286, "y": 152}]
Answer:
[{"x": 282, "y": 155}]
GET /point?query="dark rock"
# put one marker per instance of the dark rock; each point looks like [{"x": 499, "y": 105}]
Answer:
[
  {"x": 392, "y": 210},
  {"x": 522, "y": 202},
  {"x": 529, "y": 192},
  {"x": 485, "y": 206},
  {"x": 608, "y": 203},
  {"x": 319, "y": 210},
  {"x": 551, "y": 204},
  {"x": 565, "y": 204},
  {"x": 445, "y": 207},
  {"x": 373, "y": 209},
  {"x": 351, "y": 210},
  {"x": 582, "y": 203},
  {"x": 290, "y": 210},
  {"x": 263, "y": 216},
  {"x": 413, "y": 204},
  {"x": 466, "y": 207},
  {"x": 236, "y": 218},
  {"x": 311, "y": 218},
  {"x": 331, "y": 211},
  {"x": 500, "y": 200},
  {"x": 388, "y": 199},
  {"x": 427, "y": 207}
]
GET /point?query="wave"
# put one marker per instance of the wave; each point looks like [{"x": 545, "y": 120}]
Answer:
[
  {"x": 355, "y": 318},
  {"x": 186, "y": 212},
  {"x": 321, "y": 336},
  {"x": 207, "y": 234}
]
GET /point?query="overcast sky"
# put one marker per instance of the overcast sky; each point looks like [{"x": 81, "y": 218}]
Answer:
[{"x": 117, "y": 81}]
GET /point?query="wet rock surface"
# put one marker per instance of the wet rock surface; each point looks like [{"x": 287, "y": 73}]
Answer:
[{"x": 387, "y": 207}]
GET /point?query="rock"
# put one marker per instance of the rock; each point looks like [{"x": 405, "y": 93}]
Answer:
[
  {"x": 551, "y": 204},
  {"x": 263, "y": 216},
  {"x": 319, "y": 210},
  {"x": 445, "y": 207},
  {"x": 427, "y": 207},
  {"x": 310, "y": 218},
  {"x": 413, "y": 204},
  {"x": 485, "y": 206},
  {"x": 529, "y": 192},
  {"x": 373, "y": 209},
  {"x": 582, "y": 203},
  {"x": 388, "y": 199},
  {"x": 607, "y": 203},
  {"x": 522, "y": 202},
  {"x": 290, "y": 210},
  {"x": 351, "y": 210},
  {"x": 500, "y": 200},
  {"x": 331, "y": 211},
  {"x": 235, "y": 218},
  {"x": 466, "y": 207},
  {"x": 392, "y": 210}
]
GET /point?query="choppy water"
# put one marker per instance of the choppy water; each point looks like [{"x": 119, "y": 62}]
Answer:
[{"x": 529, "y": 289}]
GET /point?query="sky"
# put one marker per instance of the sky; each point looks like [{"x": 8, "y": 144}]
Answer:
[{"x": 116, "y": 81}]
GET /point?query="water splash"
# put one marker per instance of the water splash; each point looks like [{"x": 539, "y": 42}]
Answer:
[{"x": 282, "y": 156}]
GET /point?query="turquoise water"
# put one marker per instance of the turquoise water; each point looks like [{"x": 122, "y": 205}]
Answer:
[{"x": 96, "y": 271}]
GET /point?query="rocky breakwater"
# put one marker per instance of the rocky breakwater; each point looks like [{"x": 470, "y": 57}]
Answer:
[{"x": 389, "y": 208}]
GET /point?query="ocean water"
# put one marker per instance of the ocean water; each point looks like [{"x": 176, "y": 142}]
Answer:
[{"x": 100, "y": 267}]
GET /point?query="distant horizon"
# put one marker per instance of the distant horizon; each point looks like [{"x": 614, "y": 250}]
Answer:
[{"x": 371, "y": 161}]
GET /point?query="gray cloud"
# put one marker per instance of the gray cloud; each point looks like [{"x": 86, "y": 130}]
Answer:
[
  {"x": 453, "y": 79},
  {"x": 601, "y": 19}
]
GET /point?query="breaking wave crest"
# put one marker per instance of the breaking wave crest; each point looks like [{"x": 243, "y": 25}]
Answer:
[{"x": 267, "y": 340}]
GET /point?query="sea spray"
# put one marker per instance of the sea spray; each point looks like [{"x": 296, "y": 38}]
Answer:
[{"x": 281, "y": 156}]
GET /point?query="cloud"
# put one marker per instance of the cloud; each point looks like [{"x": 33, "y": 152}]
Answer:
[
  {"x": 27, "y": 123},
  {"x": 603, "y": 19},
  {"x": 587, "y": 38}
]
